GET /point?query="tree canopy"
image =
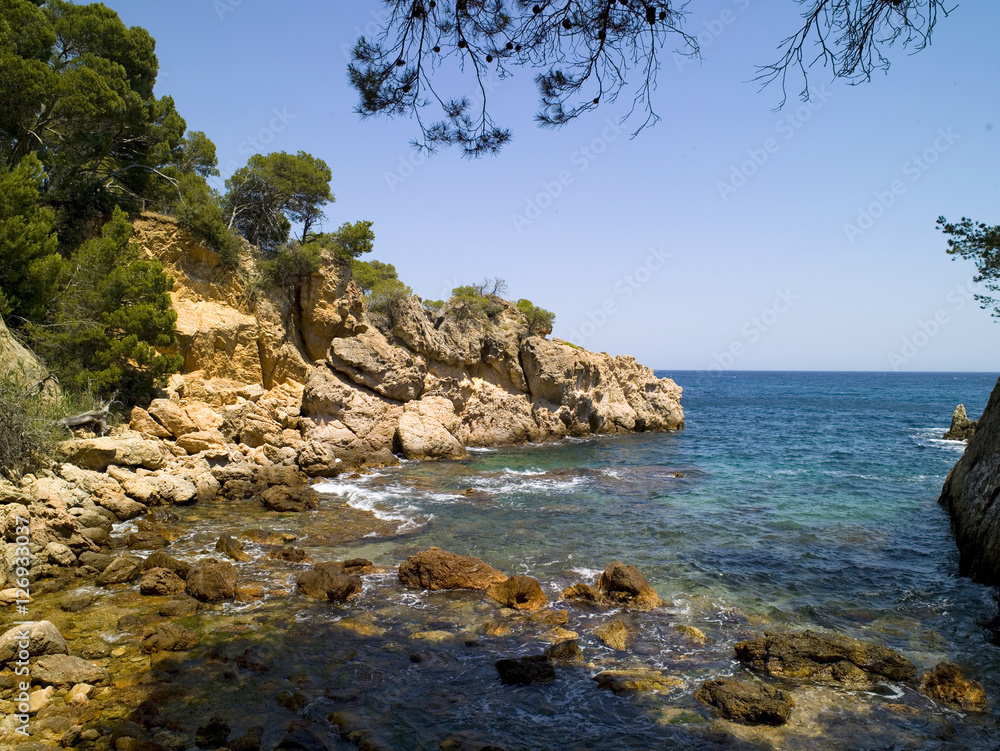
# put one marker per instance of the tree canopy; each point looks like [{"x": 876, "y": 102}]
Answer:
[
  {"x": 274, "y": 190},
  {"x": 979, "y": 243},
  {"x": 584, "y": 53}
]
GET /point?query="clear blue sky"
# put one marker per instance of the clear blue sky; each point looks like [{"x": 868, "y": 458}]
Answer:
[{"x": 689, "y": 270}]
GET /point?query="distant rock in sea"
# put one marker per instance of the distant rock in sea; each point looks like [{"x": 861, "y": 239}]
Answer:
[{"x": 962, "y": 428}]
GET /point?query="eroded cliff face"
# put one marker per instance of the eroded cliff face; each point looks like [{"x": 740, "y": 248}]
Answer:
[
  {"x": 972, "y": 496},
  {"x": 309, "y": 378}
]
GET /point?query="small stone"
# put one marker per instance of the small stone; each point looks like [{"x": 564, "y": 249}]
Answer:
[
  {"x": 637, "y": 679},
  {"x": 498, "y": 629},
  {"x": 169, "y": 637},
  {"x": 39, "y": 700},
  {"x": 518, "y": 592},
  {"x": 161, "y": 581},
  {"x": 232, "y": 548}
]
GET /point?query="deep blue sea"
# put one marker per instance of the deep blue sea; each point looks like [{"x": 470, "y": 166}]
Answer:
[{"x": 789, "y": 501}]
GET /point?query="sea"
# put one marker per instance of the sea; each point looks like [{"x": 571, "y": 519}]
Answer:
[{"x": 790, "y": 501}]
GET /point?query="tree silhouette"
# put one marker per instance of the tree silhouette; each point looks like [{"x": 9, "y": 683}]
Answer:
[{"x": 586, "y": 53}]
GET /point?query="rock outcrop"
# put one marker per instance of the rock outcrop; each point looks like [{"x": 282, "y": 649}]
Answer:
[
  {"x": 306, "y": 376},
  {"x": 962, "y": 428},
  {"x": 971, "y": 494},
  {"x": 834, "y": 658}
]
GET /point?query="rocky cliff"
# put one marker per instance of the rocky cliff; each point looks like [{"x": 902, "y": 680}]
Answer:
[
  {"x": 971, "y": 494},
  {"x": 306, "y": 377}
]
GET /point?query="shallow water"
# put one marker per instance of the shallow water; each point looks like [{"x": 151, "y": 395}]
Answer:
[{"x": 790, "y": 501}]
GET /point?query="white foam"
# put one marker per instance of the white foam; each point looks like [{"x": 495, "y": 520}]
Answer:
[{"x": 480, "y": 450}]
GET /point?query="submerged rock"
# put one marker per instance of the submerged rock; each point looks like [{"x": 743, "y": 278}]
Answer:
[
  {"x": 232, "y": 548},
  {"x": 614, "y": 634},
  {"x": 565, "y": 651},
  {"x": 962, "y": 428},
  {"x": 329, "y": 581},
  {"x": 746, "y": 702},
  {"x": 65, "y": 670},
  {"x": 832, "y": 658},
  {"x": 518, "y": 592},
  {"x": 525, "y": 671},
  {"x": 169, "y": 637},
  {"x": 946, "y": 685},
  {"x": 636, "y": 679},
  {"x": 435, "y": 568},
  {"x": 123, "y": 569}
]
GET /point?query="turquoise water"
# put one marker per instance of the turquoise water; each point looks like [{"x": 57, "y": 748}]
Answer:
[
  {"x": 790, "y": 501},
  {"x": 805, "y": 500}
]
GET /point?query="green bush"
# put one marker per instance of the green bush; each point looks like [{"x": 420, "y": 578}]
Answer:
[
  {"x": 539, "y": 320},
  {"x": 468, "y": 303},
  {"x": 434, "y": 305},
  {"x": 110, "y": 320},
  {"x": 380, "y": 284},
  {"x": 199, "y": 211},
  {"x": 30, "y": 265},
  {"x": 291, "y": 265}
]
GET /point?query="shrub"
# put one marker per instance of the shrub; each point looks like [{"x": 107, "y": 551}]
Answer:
[
  {"x": 291, "y": 265},
  {"x": 539, "y": 320},
  {"x": 105, "y": 331},
  {"x": 381, "y": 286},
  {"x": 199, "y": 211}
]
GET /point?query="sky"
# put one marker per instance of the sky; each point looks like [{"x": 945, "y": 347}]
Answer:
[{"x": 731, "y": 235}]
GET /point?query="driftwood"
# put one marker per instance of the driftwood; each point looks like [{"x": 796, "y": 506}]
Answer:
[{"x": 96, "y": 417}]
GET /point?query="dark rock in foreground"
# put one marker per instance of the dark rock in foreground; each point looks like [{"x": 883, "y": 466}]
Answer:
[
  {"x": 524, "y": 671},
  {"x": 970, "y": 495},
  {"x": 749, "y": 703},
  {"x": 811, "y": 656}
]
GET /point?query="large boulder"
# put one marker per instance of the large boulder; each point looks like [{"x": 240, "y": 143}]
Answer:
[
  {"x": 835, "y": 658},
  {"x": 331, "y": 306},
  {"x": 625, "y": 585},
  {"x": 749, "y": 703},
  {"x": 370, "y": 360},
  {"x": 435, "y": 568},
  {"x": 423, "y": 430},
  {"x": 42, "y": 636},
  {"x": 970, "y": 495},
  {"x": 212, "y": 581},
  {"x": 123, "y": 569},
  {"x": 99, "y": 453}
]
